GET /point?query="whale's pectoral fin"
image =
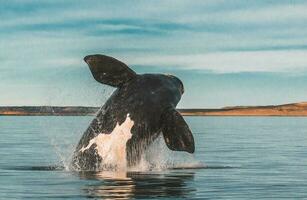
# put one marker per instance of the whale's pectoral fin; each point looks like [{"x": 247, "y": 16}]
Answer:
[
  {"x": 176, "y": 132},
  {"x": 108, "y": 70}
]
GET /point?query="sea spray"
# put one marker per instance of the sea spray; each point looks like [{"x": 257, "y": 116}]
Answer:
[
  {"x": 64, "y": 157},
  {"x": 159, "y": 157},
  {"x": 61, "y": 134}
]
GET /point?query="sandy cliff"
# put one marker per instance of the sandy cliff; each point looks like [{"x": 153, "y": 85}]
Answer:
[{"x": 295, "y": 109}]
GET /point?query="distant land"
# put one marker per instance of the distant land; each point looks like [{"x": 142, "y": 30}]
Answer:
[{"x": 293, "y": 109}]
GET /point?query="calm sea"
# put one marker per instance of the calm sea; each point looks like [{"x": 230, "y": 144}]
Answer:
[{"x": 244, "y": 158}]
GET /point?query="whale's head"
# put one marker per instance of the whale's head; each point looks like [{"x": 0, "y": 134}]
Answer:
[{"x": 177, "y": 82}]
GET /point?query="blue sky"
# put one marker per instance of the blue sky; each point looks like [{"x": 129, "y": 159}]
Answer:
[{"x": 233, "y": 52}]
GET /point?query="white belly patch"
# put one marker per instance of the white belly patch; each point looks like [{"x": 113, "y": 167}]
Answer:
[{"x": 112, "y": 147}]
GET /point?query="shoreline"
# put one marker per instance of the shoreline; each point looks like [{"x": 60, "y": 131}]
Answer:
[{"x": 284, "y": 110}]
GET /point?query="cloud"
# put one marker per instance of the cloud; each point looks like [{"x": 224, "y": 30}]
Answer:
[{"x": 230, "y": 62}]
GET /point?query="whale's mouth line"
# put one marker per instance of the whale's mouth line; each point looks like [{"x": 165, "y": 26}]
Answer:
[{"x": 62, "y": 168}]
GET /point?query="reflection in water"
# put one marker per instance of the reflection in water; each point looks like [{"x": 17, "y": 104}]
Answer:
[{"x": 126, "y": 185}]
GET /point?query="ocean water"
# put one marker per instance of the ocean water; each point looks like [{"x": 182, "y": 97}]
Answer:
[{"x": 235, "y": 158}]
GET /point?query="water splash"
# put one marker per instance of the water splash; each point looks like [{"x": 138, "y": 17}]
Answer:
[
  {"x": 59, "y": 134},
  {"x": 65, "y": 157},
  {"x": 159, "y": 157}
]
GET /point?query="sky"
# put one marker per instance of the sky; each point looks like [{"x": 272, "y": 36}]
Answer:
[{"x": 227, "y": 53}]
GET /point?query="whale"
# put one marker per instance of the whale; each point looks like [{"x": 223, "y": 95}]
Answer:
[{"x": 142, "y": 107}]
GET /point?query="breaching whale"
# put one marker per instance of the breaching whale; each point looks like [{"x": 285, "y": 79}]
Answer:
[{"x": 140, "y": 109}]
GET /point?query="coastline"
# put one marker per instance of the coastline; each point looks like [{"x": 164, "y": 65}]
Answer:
[{"x": 284, "y": 110}]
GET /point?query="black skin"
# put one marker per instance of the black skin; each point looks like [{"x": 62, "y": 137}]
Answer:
[{"x": 149, "y": 99}]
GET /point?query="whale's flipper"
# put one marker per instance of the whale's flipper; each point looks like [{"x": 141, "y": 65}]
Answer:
[
  {"x": 176, "y": 132},
  {"x": 108, "y": 70}
]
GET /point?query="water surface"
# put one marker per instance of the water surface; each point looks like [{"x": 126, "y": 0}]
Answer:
[{"x": 245, "y": 157}]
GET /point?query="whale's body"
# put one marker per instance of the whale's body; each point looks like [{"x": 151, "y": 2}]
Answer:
[{"x": 140, "y": 109}]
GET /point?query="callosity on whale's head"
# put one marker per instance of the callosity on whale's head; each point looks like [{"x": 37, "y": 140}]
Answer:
[{"x": 149, "y": 100}]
